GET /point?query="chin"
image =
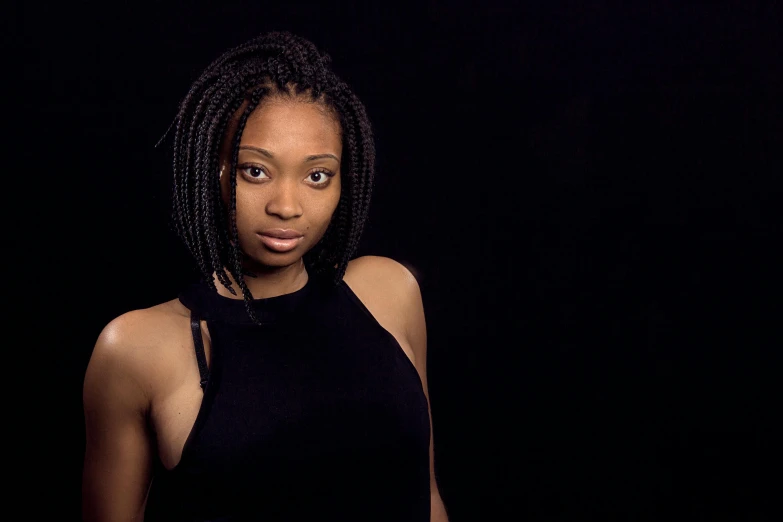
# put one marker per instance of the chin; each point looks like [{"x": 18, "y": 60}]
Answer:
[{"x": 267, "y": 260}]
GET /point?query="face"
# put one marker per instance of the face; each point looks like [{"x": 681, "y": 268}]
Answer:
[{"x": 288, "y": 180}]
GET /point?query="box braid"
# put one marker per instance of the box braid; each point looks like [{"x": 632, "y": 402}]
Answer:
[{"x": 276, "y": 63}]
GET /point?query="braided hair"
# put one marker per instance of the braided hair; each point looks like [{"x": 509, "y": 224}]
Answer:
[{"x": 271, "y": 64}]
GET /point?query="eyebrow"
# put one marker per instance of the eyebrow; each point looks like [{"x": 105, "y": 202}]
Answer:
[{"x": 269, "y": 155}]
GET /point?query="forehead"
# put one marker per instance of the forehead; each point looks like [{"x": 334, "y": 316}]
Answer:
[{"x": 282, "y": 124}]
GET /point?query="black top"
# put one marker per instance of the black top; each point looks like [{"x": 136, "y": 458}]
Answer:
[{"x": 317, "y": 415}]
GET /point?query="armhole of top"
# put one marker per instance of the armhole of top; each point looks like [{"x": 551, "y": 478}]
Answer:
[
  {"x": 400, "y": 352},
  {"x": 363, "y": 307}
]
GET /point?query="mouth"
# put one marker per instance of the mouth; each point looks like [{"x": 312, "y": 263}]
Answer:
[{"x": 280, "y": 244}]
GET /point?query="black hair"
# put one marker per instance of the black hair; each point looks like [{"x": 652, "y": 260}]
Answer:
[{"x": 272, "y": 63}]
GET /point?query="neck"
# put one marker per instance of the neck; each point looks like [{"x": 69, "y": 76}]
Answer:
[{"x": 270, "y": 282}]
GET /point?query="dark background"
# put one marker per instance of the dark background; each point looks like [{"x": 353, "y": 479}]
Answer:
[{"x": 587, "y": 192}]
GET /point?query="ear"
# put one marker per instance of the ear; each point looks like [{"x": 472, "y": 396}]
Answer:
[
  {"x": 224, "y": 161},
  {"x": 225, "y": 179}
]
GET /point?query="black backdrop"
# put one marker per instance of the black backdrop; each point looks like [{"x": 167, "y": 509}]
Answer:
[{"x": 588, "y": 195}]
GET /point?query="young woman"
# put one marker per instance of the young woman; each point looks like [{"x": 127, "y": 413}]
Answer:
[{"x": 290, "y": 383}]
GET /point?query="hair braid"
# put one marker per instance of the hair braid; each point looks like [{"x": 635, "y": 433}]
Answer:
[
  {"x": 236, "y": 263},
  {"x": 210, "y": 134},
  {"x": 217, "y": 242}
]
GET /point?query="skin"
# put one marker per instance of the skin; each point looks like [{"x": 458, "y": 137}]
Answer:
[{"x": 142, "y": 380}]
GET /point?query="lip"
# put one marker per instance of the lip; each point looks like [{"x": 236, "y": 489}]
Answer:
[
  {"x": 281, "y": 233},
  {"x": 278, "y": 243}
]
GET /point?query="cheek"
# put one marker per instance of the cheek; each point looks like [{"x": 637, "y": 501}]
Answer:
[
  {"x": 330, "y": 208},
  {"x": 320, "y": 213},
  {"x": 249, "y": 209}
]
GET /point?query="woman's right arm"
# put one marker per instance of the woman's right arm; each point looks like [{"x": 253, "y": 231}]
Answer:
[{"x": 118, "y": 454}]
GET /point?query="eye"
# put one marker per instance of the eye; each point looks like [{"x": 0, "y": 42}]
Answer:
[
  {"x": 319, "y": 177},
  {"x": 253, "y": 171}
]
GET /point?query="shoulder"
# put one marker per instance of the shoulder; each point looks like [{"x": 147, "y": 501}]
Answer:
[
  {"x": 136, "y": 330},
  {"x": 390, "y": 291},
  {"x": 379, "y": 270},
  {"x": 382, "y": 276},
  {"x": 131, "y": 348}
]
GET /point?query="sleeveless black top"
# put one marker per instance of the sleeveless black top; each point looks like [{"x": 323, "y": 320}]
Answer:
[{"x": 316, "y": 415}]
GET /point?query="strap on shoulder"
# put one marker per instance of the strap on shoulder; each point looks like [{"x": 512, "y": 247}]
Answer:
[{"x": 198, "y": 342}]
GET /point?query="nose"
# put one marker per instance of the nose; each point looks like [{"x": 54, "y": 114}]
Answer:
[{"x": 284, "y": 200}]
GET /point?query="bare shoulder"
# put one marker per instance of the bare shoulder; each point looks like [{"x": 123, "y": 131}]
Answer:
[
  {"x": 135, "y": 331},
  {"x": 378, "y": 274},
  {"x": 135, "y": 346},
  {"x": 390, "y": 292}
]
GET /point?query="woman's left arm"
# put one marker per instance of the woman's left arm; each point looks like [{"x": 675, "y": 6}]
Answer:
[
  {"x": 416, "y": 331},
  {"x": 392, "y": 294}
]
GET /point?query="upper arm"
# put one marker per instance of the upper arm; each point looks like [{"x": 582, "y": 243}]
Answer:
[
  {"x": 118, "y": 452},
  {"x": 415, "y": 328},
  {"x": 403, "y": 308}
]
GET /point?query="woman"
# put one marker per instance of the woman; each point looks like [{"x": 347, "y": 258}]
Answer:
[{"x": 290, "y": 383}]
